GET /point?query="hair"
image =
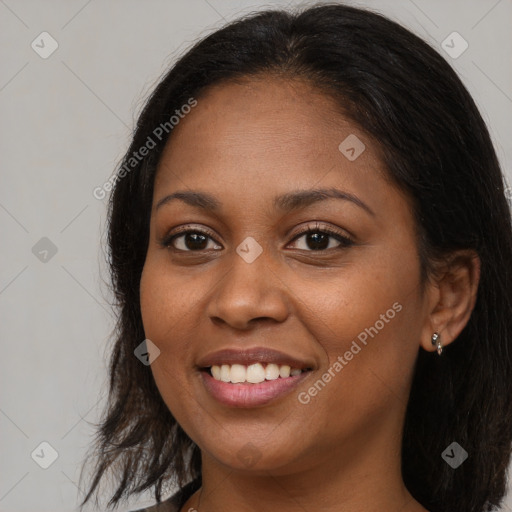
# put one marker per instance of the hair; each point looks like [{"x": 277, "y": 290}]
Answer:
[{"x": 436, "y": 148}]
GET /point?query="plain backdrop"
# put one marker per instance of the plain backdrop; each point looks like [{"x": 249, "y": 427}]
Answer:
[{"x": 66, "y": 120}]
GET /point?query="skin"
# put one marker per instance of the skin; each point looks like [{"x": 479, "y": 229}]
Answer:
[{"x": 246, "y": 143}]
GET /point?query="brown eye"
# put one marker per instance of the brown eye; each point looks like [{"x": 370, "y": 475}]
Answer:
[
  {"x": 189, "y": 241},
  {"x": 317, "y": 239}
]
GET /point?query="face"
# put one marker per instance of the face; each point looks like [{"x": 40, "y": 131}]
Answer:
[{"x": 255, "y": 278}]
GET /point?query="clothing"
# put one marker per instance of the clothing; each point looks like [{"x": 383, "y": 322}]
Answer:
[{"x": 176, "y": 501}]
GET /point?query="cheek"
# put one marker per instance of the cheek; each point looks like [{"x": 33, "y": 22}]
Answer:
[
  {"x": 368, "y": 325},
  {"x": 170, "y": 305},
  {"x": 158, "y": 299},
  {"x": 167, "y": 301},
  {"x": 364, "y": 302},
  {"x": 163, "y": 310}
]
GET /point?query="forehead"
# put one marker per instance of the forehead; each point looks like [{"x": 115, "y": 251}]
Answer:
[
  {"x": 264, "y": 137},
  {"x": 285, "y": 116}
]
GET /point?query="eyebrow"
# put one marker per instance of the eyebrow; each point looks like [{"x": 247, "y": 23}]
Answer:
[{"x": 286, "y": 202}]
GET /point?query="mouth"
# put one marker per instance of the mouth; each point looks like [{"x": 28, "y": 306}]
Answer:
[
  {"x": 253, "y": 373},
  {"x": 251, "y": 377},
  {"x": 246, "y": 394}
]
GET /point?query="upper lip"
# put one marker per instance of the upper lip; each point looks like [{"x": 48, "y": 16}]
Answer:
[{"x": 247, "y": 356}]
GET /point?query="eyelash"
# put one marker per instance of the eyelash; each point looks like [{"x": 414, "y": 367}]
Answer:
[{"x": 344, "y": 240}]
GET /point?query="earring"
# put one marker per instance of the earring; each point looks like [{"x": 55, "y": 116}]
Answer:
[{"x": 436, "y": 340}]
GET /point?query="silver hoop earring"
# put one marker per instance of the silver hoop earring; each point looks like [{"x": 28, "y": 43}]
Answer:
[{"x": 436, "y": 340}]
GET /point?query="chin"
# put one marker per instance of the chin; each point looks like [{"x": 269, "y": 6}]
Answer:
[{"x": 249, "y": 455}]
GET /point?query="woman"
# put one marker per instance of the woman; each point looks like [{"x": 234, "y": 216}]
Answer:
[{"x": 310, "y": 247}]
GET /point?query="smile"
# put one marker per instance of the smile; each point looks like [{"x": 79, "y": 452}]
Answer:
[
  {"x": 251, "y": 376},
  {"x": 254, "y": 373}
]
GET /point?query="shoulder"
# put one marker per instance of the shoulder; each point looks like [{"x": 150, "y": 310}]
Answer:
[{"x": 176, "y": 501}]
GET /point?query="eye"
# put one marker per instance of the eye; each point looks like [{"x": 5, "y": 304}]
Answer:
[
  {"x": 319, "y": 239},
  {"x": 189, "y": 240},
  {"x": 195, "y": 240}
]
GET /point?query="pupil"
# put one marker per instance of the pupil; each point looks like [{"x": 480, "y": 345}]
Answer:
[
  {"x": 316, "y": 244},
  {"x": 197, "y": 241}
]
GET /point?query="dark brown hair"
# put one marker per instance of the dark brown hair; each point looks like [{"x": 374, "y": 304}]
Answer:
[{"x": 436, "y": 147}]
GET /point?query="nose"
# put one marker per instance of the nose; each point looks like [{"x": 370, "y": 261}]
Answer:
[{"x": 249, "y": 294}]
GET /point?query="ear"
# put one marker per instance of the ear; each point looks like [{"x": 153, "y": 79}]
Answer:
[{"x": 451, "y": 297}]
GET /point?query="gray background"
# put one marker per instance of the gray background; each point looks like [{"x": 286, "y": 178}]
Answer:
[{"x": 66, "y": 121}]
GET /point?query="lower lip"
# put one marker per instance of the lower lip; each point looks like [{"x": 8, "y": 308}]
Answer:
[{"x": 250, "y": 395}]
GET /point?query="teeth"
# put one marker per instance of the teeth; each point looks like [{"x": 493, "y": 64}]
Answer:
[
  {"x": 216, "y": 372},
  {"x": 272, "y": 372},
  {"x": 254, "y": 373},
  {"x": 225, "y": 373},
  {"x": 238, "y": 373},
  {"x": 284, "y": 371}
]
